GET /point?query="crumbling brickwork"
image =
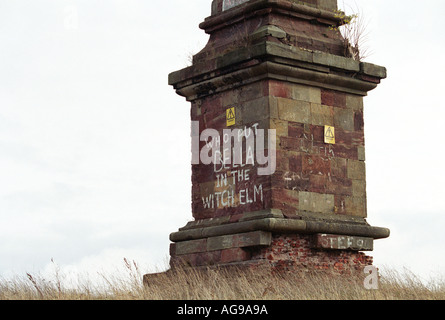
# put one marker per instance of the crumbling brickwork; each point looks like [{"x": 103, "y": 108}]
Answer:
[
  {"x": 283, "y": 253},
  {"x": 292, "y": 252}
]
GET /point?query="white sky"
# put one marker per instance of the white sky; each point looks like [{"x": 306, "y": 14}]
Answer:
[{"x": 94, "y": 144}]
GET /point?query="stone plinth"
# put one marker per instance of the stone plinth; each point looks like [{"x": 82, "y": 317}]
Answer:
[{"x": 276, "y": 81}]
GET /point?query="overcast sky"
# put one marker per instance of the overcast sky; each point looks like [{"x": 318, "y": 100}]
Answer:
[{"x": 94, "y": 144}]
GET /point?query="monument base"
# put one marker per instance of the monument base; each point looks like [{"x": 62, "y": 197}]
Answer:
[{"x": 268, "y": 239}]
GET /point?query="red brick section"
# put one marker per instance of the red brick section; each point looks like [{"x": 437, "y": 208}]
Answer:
[{"x": 295, "y": 252}]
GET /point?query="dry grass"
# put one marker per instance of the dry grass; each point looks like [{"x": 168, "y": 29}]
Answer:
[
  {"x": 214, "y": 284},
  {"x": 354, "y": 32}
]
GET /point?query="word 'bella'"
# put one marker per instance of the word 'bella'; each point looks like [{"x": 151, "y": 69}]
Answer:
[{"x": 223, "y": 155}]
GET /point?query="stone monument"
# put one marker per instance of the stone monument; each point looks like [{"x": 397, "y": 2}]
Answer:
[{"x": 278, "y": 148}]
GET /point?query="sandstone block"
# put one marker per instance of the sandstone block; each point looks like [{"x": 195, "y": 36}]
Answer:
[
  {"x": 279, "y": 89},
  {"x": 329, "y": 5},
  {"x": 339, "y": 167},
  {"x": 356, "y": 206},
  {"x": 321, "y": 115},
  {"x": 305, "y": 93},
  {"x": 356, "y": 170},
  {"x": 254, "y": 110},
  {"x": 340, "y": 242},
  {"x": 281, "y": 127},
  {"x": 359, "y": 188},
  {"x": 268, "y": 30},
  {"x": 294, "y": 110},
  {"x": 336, "y": 61},
  {"x": 317, "y": 202},
  {"x": 373, "y": 70},
  {"x": 273, "y": 107},
  {"x": 244, "y": 240},
  {"x": 192, "y": 246},
  {"x": 361, "y": 153},
  {"x": 354, "y": 102},
  {"x": 234, "y": 255}
]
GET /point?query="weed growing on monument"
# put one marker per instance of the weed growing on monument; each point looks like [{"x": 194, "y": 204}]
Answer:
[{"x": 354, "y": 32}]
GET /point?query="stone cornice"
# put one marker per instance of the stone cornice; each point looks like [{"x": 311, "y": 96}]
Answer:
[
  {"x": 276, "y": 61},
  {"x": 277, "y": 225}
]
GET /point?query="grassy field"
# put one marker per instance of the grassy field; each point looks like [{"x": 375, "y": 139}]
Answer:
[{"x": 214, "y": 284}]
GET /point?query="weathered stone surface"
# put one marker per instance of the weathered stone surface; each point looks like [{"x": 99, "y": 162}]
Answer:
[
  {"x": 306, "y": 93},
  {"x": 339, "y": 167},
  {"x": 342, "y": 242},
  {"x": 333, "y": 98},
  {"x": 234, "y": 255},
  {"x": 344, "y": 119},
  {"x": 316, "y": 202},
  {"x": 193, "y": 246},
  {"x": 356, "y": 170},
  {"x": 320, "y": 223},
  {"x": 253, "y": 239},
  {"x": 359, "y": 188},
  {"x": 294, "y": 110},
  {"x": 361, "y": 153},
  {"x": 336, "y": 61},
  {"x": 354, "y": 102},
  {"x": 373, "y": 70},
  {"x": 268, "y": 30},
  {"x": 244, "y": 240},
  {"x": 322, "y": 115},
  {"x": 280, "y": 126},
  {"x": 330, "y": 5},
  {"x": 356, "y": 206},
  {"x": 254, "y": 110}
]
